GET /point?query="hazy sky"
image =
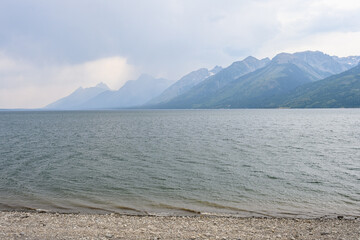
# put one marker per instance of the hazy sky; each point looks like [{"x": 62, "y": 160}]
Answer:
[{"x": 50, "y": 48}]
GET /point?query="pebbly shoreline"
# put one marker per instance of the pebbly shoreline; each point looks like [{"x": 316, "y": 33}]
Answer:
[{"x": 34, "y": 225}]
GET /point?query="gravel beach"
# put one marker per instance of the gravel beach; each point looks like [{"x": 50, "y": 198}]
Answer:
[{"x": 34, "y": 225}]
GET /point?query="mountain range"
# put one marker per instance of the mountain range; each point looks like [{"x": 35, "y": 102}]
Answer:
[
  {"x": 78, "y": 98},
  {"x": 133, "y": 93},
  {"x": 303, "y": 79},
  {"x": 337, "y": 91},
  {"x": 265, "y": 85},
  {"x": 184, "y": 84}
]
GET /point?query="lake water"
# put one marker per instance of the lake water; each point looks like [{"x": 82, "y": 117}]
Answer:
[{"x": 279, "y": 162}]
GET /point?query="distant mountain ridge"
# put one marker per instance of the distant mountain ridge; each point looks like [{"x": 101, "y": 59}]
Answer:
[
  {"x": 76, "y": 99},
  {"x": 250, "y": 83},
  {"x": 337, "y": 91},
  {"x": 133, "y": 93},
  {"x": 252, "y": 89},
  {"x": 350, "y": 61},
  {"x": 185, "y": 84},
  {"x": 212, "y": 84}
]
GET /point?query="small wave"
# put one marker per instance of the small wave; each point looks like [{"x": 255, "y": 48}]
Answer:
[
  {"x": 50, "y": 207},
  {"x": 349, "y": 197},
  {"x": 172, "y": 207},
  {"x": 354, "y": 168},
  {"x": 273, "y": 177},
  {"x": 233, "y": 209},
  {"x": 246, "y": 165},
  {"x": 349, "y": 202},
  {"x": 8, "y": 207},
  {"x": 124, "y": 208},
  {"x": 216, "y": 205},
  {"x": 314, "y": 182}
]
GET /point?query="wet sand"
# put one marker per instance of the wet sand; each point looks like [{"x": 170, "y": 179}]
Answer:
[{"x": 34, "y": 225}]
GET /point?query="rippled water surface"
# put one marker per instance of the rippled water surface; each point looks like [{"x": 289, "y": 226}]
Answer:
[{"x": 302, "y": 163}]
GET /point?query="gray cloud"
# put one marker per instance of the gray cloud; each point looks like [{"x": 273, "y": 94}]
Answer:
[{"x": 148, "y": 33}]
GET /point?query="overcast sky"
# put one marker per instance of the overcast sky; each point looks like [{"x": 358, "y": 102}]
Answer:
[{"x": 50, "y": 48}]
